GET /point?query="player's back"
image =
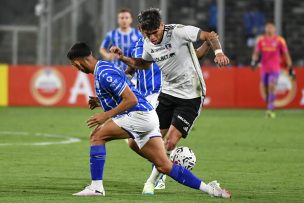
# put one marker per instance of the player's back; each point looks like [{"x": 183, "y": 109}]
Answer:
[
  {"x": 110, "y": 82},
  {"x": 149, "y": 81}
]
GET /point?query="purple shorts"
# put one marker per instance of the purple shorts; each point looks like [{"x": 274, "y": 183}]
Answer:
[{"x": 269, "y": 78}]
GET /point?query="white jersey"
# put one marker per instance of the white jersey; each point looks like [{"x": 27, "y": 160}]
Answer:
[{"x": 177, "y": 64}]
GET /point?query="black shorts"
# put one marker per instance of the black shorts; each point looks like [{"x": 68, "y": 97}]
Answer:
[{"x": 181, "y": 113}]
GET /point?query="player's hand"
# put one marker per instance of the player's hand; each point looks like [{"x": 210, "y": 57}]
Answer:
[
  {"x": 221, "y": 59},
  {"x": 254, "y": 64},
  {"x": 116, "y": 52},
  {"x": 213, "y": 35},
  {"x": 292, "y": 73},
  {"x": 94, "y": 102},
  {"x": 97, "y": 119}
]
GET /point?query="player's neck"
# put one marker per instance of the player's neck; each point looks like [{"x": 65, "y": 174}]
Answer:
[{"x": 124, "y": 30}]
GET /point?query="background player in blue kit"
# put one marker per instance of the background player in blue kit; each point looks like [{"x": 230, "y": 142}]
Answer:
[
  {"x": 123, "y": 37},
  {"x": 126, "y": 114}
]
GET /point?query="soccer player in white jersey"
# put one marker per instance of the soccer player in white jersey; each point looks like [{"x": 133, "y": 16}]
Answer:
[
  {"x": 183, "y": 91},
  {"x": 123, "y": 37},
  {"x": 126, "y": 113}
]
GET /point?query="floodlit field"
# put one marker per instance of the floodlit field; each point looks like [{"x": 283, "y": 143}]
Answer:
[{"x": 257, "y": 159}]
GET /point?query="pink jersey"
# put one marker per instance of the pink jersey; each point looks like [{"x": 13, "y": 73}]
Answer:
[{"x": 271, "y": 49}]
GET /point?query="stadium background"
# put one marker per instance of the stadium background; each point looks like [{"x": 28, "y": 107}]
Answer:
[
  {"x": 258, "y": 159},
  {"x": 39, "y": 33}
]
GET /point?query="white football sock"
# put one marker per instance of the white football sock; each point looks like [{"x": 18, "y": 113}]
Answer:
[
  {"x": 154, "y": 175},
  {"x": 97, "y": 185},
  {"x": 203, "y": 187}
]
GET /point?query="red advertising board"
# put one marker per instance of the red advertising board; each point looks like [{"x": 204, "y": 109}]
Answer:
[{"x": 226, "y": 87}]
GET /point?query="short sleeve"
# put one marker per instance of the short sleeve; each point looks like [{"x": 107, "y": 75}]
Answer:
[
  {"x": 107, "y": 42},
  {"x": 113, "y": 81},
  {"x": 146, "y": 55},
  {"x": 258, "y": 46},
  {"x": 283, "y": 45},
  {"x": 188, "y": 33}
]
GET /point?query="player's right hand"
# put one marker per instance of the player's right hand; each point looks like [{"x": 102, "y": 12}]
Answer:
[
  {"x": 94, "y": 102},
  {"x": 117, "y": 52},
  {"x": 221, "y": 59}
]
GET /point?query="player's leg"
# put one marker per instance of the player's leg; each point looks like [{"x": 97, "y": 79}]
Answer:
[
  {"x": 99, "y": 137},
  {"x": 184, "y": 116},
  {"x": 164, "y": 111},
  {"x": 272, "y": 81},
  {"x": 154, "y": 150}
]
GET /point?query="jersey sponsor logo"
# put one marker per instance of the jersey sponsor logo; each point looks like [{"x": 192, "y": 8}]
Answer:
[
  {"x": 285, "y": 90},
  {"x": 165, "y": 57},
  {"x": 47, "y": 86}
]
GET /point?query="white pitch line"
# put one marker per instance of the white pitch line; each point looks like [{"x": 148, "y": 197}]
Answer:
[{"x": 67, "y": 140}]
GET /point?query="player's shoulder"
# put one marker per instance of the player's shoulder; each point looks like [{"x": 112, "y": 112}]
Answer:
[
  {"x": 260, "y": 38},
  {"x": 281, "y": 39},
  {"x": 168, "y": 27},
  {"x": 104, "y": 68}
]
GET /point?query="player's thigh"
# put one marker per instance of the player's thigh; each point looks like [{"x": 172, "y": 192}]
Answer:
[
  {"x": 154, "y": 151},
  {"x": 172, "y": 138},
  {"x": 108, "y": 131},
  {"x": 165, "y": 111},
  {"x": 272, "y": 80},
  {"x": 185, "y": 115}
]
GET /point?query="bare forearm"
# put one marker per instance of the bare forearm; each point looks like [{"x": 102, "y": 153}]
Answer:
[
  {"x": 288, "y": 59},
  {"x": 137, "y": 63},
  {"x": 202, "y": 50},
  {"x": 122, "y": 107}
]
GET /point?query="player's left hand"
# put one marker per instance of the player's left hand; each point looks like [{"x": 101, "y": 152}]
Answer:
[
  {"x": 221, "y": 59},
  {"x": 97, "y": 119},
  {"x": 93, "y": 102},
  {"x": 292, "y": 73}
]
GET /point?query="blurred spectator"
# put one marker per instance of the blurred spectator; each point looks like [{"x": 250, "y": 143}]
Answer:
[
  {"x": 254, "y": 22},
  {"x": 85, "y": 30},
  {"x": 212, "y": 16}
]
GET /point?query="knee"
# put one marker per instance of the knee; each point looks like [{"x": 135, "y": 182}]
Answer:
[
  {"x": 164, "y": 168},
  {"x": 97, "y": 137},
  {"x": 170, "y": 145}
]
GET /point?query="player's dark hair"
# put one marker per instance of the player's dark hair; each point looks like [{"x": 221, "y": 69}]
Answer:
[
  {"x": 149, "y": 19},
  {"x": 125, "y": 10},
  {"x": 79, "y": 50}
]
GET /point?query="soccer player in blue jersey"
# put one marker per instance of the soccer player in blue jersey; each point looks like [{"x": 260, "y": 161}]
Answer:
[
  {"x": 126, "y": 114},
  {"x": 123, "y": 37}
]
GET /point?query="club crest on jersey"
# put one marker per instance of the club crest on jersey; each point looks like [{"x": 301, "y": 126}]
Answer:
[
  {"x": 109, "y": 79},
  {"x": 168, "y": 46}
]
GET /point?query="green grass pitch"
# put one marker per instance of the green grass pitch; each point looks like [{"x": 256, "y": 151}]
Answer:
[{"x": 257, "y": 159}]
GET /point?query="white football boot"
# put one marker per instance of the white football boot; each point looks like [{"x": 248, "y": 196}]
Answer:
[
  {"x": 160, "y": 183},
  {"x": 88, "y": 191},
  {"x": 148, "y": 189},
  {"x": 216, "y": 191}
]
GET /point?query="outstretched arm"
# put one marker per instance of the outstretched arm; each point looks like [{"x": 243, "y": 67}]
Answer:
[
  {"x": 202, "y": 50},
  {"x": 138, "y": 63}
]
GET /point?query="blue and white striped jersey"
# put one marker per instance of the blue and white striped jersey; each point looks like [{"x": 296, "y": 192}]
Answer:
[
  {"x": 149, "y": 81},
  {"x": 110, "y": 82},
  {"x": 122, "y": 40}
]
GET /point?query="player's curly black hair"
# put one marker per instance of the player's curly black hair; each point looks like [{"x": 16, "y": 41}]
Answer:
[
  {"x": 79, "y": 50},
  {"x": 149, "y": 19}
]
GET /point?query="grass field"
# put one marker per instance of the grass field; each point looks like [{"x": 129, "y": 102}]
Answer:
[{"x": 257, "y": 159}]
